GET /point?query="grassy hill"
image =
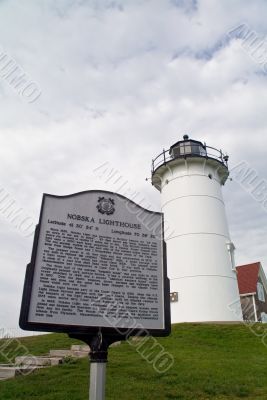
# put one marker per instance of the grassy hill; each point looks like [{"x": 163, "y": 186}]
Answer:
[{"x": 211, "y": 362}]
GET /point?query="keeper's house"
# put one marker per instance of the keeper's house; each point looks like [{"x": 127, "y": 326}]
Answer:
[{"x": 252, "y": 286}]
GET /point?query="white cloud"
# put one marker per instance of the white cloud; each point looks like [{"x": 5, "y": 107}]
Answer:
[{"x": 120, "y": 80}]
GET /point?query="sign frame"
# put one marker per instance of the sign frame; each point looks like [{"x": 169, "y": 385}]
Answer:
[{"x": 25, "y": 324}]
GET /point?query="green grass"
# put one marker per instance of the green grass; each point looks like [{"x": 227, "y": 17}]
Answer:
[{"x": 211, "y": 362}]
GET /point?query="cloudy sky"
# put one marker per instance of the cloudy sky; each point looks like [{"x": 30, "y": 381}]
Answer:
[{"x": 115, "y": 82}]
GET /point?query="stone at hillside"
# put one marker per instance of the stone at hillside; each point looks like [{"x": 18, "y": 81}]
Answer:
[
  {"x": 68, "y": 353},
  {"x": 56, "y": 361},
  {"x": 77, "y": 347},
  {"x": 38, "y": 361},
  {"x": 60, "y": 353},
  {"x": 8, "y": 371},
  {"x": 80, "y": 354}
]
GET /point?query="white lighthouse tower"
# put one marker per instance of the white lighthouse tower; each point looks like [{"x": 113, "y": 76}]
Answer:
[{"x": 200, "y": 254}]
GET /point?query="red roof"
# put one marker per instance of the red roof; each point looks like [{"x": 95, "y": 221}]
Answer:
[{"x": 247, "y": 277}]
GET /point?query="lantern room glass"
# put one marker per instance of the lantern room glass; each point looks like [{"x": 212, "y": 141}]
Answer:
[{"x": 188, "y": 148}]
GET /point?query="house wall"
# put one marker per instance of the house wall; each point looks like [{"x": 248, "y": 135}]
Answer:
[
  {"x": 247, "y": 308},
  {"x": 260, "y": 305}
]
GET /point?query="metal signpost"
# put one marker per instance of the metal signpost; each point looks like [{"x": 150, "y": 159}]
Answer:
[{"x": 98, "y": 272}]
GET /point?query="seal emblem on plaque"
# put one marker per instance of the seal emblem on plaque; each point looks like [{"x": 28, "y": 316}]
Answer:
[{"x": 106, "y": 205}]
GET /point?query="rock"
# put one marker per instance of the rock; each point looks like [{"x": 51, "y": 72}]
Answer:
[
  {"x": 77, "y": 347},
  {"x": 8, "y": 371},
  {"x": 69, "y": 353},
  {"x": 60, "y": 353},
  {"x": 38, "y": 361}
]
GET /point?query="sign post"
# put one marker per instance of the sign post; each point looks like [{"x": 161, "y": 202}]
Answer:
[
  {"x": 98, "y": 272},
  {"x": 97, "y": 381}
]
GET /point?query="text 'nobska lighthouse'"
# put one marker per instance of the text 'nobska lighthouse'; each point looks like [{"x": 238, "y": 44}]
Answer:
[{"x": 200, "y": 253}]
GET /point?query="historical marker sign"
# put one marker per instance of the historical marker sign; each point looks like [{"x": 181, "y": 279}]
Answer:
[{"x": 98, "y": 261}]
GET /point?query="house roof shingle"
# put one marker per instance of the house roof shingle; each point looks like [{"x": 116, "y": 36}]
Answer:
[{"x": 247, "y": 277}]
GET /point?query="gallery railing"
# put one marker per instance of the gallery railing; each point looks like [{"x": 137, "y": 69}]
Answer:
[{"x": 208, "y": 152}]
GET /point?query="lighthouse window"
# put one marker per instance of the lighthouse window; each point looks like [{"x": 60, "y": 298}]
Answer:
[
  {"x": 185, "y": 148},
  {"x": 195, "y": 148},
  {"x": 260, "y": 291}
]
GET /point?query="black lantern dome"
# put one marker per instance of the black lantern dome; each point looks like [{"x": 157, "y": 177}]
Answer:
[{"x": 187, "y": 147}]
